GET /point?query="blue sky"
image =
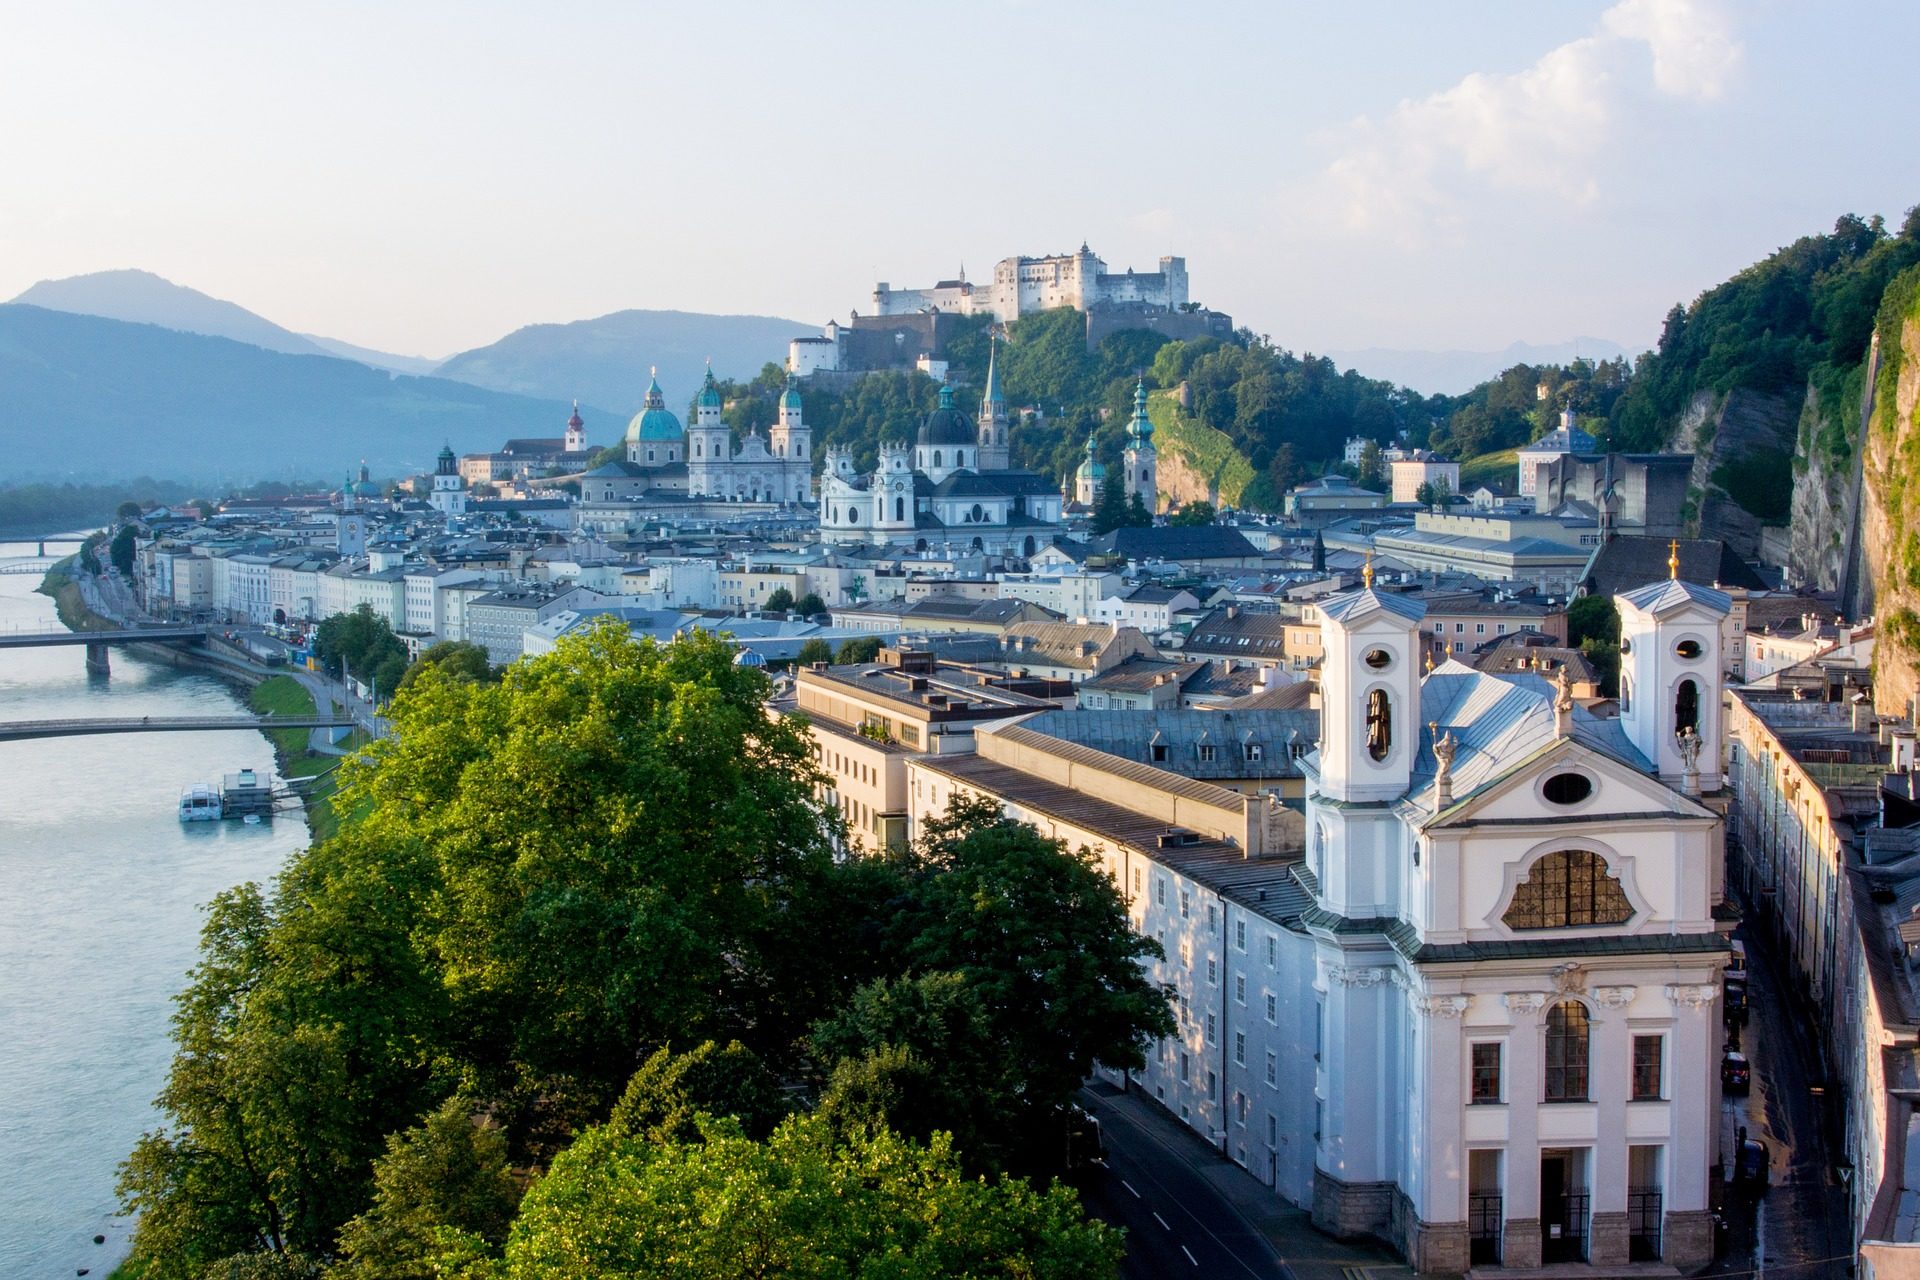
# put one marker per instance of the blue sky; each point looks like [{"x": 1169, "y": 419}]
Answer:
[{"x": 426, "y": 177}]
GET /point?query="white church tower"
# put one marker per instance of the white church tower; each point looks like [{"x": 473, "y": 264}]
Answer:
[
  {"x": 996, "y": 453},
  {"x": 1670, "y": 668},
  {"x": 576, "y": 437},
  {"x": 792, "y": 444},
  {"x": 1143, "y": 464},
  {"x": 449, "y": 496},
  {"x": 709, "y": 444}
]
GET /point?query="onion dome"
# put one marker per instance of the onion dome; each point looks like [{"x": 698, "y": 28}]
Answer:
[
  {"x": 790, "y": 398},
  {"x": 1092, "y": 469},
  {"x": 1140, "y": 430},
  {"x": 710, "y": 392},
  {"x": 575, "y": 421},
  {"x": 654, "y": 421},
  {"x": 946, "y": 425}
]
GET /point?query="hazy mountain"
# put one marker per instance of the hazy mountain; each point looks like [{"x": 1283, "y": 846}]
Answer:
[
  {"x": 82, "y": 396},
  {"x": 378, "y": 359},
  {"x": 144, "y": 298},
  {"x": 605, "y": 360},
  {"x": 1455, "y": 372}
]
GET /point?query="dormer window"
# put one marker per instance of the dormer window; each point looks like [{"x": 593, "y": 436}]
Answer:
[
  {"x": 1206, "y": 753},
  {"x": 1253, "y": 751}
]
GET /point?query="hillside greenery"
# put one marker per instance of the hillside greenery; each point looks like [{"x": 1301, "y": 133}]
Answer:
[
  {"x": 565, "y": 942},
  {"x": 47, "y": 508}
]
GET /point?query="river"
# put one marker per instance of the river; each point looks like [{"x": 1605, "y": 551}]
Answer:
[{"x": 102, "y": 896}]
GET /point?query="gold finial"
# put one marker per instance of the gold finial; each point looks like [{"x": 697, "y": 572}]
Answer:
[
  {"x": 1366, "y": 571},
  {"x": 1429, "y": 661},
  {"x": 1673, "y": 559}
]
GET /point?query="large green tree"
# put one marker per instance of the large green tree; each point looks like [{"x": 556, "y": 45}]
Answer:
[{"x": 800, "y": 1206}]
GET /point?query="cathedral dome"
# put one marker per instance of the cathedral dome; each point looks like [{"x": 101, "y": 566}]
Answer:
[
  {"x": 710, "y": 393},
  {"x": 1092, "y": 469},
  {"x": 946, "y": 425},
  {"x": 790, "y": 398},
  {"x": 654, "y": 421}
]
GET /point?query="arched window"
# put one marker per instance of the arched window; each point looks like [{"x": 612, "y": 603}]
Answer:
[
  {"x": 649, "y": 455},
  {"x": 1626, "y": 693},
  {"x": 936, "y": 457},
  {"x": 975, "y": 515},
  {"x": 1567, "y": 1044},
  {"x": 1686, "y": 707},
  {"x": 699, "y": 449},
  {"x": 1379, "y": 724},
  {"x": 959, "y": 457},
  {"x": 899, "y": 508},
  {"x": 1566, "y": 890}
]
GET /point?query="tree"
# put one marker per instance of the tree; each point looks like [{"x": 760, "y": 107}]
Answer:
[
  {"x": 780, "y": 599},
  {"x": 1593, "y": 627},
  {"x": 127, "y": 511},
  {"x": 442, "y": 1191},
  {"x": 1040, "y": 935},
  {"x": 1369, "y": 473},
  {"x": 121, "y": 552},
  {"x": 798, "y": 1205},
  {"x": 1193, "y": 514},
  {"x": 671, "y": 1090},
  {"x": 453, "y": 659},
  {"x": 1138, "y": 517},
  {"x": 366, "y": 643},
  {"x": 810, "y": 605},
  {"x": 1110, "y": 509},
  {"x": 859, "y": 649},
  {"x": 815, "y": 650}
]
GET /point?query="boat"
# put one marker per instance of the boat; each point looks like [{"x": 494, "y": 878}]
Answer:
[
  {"x": 253, "y": 819},
  {"x": 199, "y": 803}
]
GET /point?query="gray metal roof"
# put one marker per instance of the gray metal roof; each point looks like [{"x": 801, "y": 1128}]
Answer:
[
  {"x": 1349, "y": 609},
  {"x": 1133, "y": 735}
]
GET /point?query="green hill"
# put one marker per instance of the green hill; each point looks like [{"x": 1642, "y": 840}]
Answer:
[{"x": 1204, "y": 450}]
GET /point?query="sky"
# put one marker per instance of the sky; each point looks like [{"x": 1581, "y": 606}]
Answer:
[{"x": 424, "y": 178}]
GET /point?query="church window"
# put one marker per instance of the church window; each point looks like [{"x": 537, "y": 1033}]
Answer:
[
  {"x": 1686, "y": 707},
  {"x": 649, "y": 455},
  {"x": 1567, "y": 788},
  {"x": 1379, "y": 724},
  {"x": 1688, "y": 649},
  {"x": 1626, "y": 692},
  {"x": 899, "y": 508},
  {"x": 1567, "y": 1036},
  {"x": 936, "y": 457},
  {"x": 1378, "y": 659},
  {"x": 1486, "y": 1072},
  {"x": 1567, "y": 889},
  {"x": 959, "y": 457}
]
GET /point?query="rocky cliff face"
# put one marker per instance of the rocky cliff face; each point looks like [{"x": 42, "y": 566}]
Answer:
[
  {"x": 1825, "y": 492},
  {"x": 1723, "y": 430},
  {"x": 1890, "y": 515}
]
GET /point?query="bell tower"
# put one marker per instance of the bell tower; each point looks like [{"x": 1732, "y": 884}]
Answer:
[
  {"x": 792, "y": 445},
  {"x": 996, "y": 454},
  {"x": 1369, "y": 694},
  {"x": 1143, "y": 464},
  {"x": 1670, "y": 676},
  {"x": 709, "y": 444}
]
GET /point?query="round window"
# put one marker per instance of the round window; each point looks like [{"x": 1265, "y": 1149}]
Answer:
[
  {"x": 1378, "y": 659},
  {"x": 1688, "y": 649},
  {"x": 1626, "y": 647},
  {"x": 1567, "y": 788}
]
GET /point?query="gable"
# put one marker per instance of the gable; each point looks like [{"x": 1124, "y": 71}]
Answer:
[{"x": 1520, "y": 794}]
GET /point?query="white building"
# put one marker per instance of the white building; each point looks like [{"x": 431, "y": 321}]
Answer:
[
  {"x": 1422, "y": 468},
  {"x": 1021, "y": 285},
  {"x": 1479, "y": 1018},
  {"x": 449, "y": 496}
]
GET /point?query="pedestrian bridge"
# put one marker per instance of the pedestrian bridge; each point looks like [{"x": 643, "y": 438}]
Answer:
[
  {"x": 130, "y": 635},
  {"x": 14, "y": 730}
]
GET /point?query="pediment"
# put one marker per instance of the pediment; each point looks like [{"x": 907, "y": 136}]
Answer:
[{"x": 1520, "y": 794}]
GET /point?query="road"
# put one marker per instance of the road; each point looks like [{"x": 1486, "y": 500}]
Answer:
[
  {"x": 1798, "y": 1225},
  {"x": 1178, "y": 1223}
]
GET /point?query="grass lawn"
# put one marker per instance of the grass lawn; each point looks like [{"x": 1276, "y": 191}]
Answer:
[
  {"x": 1498, "y": 470},
  {"x": 285, "y": 696}
]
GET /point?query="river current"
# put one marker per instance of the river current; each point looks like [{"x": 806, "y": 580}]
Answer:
[{"x": 102, "y": 896}]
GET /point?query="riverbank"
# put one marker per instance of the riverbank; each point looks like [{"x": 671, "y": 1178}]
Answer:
[{"x": 68, "y": 601}]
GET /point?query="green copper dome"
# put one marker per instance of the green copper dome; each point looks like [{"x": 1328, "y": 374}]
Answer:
[
  {"x": 710, "y": 392},
  {"x": 1092, "y": 469},
  {"x": 655, "y": 421},
  {"x": 1140, "y": 430},
  {"x": 790, "y": 398}
]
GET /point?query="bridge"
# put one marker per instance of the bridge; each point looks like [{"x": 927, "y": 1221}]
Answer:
[
  {"x": 28, "y": 564},
  {"x": 15, "y": 730},
  {"x": 97, "y": 641}
]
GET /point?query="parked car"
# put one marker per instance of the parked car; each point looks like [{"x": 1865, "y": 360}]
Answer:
[
  {"x": 1735, "y": 1074},
  {"x": 1736, "y": 994},
  {"x": 1737, "y": 963},
  {"x": 1751, "y": 1168}
]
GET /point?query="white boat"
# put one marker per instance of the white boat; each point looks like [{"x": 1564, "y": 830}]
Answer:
[{"x": 199, "y": 803}]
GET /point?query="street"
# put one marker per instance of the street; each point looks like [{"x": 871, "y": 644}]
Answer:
[
  {"x": 1796, "y": 1225},
  {"x": 1178, "y": 1223}
]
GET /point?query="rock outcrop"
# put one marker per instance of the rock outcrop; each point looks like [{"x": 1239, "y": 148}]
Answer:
[
  {"x": 1890, "y": 501},
  {"x": 1719, "y": 429}
]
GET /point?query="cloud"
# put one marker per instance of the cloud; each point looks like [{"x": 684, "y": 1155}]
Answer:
[{"x": 1535, "y": 132}]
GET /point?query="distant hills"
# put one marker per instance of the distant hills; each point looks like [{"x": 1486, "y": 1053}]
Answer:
[
  {"x": 144, "y": 298},
  {"x": 82, "y": 396},
  {"x": 1454, "y": 373},
  {"x": 606, "y": 360}
]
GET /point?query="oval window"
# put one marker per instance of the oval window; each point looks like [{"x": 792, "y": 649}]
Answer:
[
  {"x": 1567, "y": 788},
  {"x": 1378, "y": 659},
  {"x": 1688, "y": 649},
  {"x": 1626, "y": 647}
]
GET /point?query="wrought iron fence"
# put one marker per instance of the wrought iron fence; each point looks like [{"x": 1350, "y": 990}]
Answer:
[
  {"x": 1643, "y": 1224},
  {"x": 1484, "y": 1224}
]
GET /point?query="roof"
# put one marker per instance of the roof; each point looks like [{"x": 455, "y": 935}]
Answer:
[
  {"x": 946, "y": 425},
  {"x": 1281, "y": 736},
  {"x": 1674, "y": 593},
  {"x": 1629, "y": 560},
  {"x": 1193, "y": 542},
  {"x": 1070, "y": 644},
  {"x": 1532, "y": 653},
  {"x": 654, "y": 421},
  {"x": 1367, "y": 601},
  {"x": 1239, "y": 633}
]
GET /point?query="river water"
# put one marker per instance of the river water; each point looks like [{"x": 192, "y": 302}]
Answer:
[{"x": 102, "y": 895}]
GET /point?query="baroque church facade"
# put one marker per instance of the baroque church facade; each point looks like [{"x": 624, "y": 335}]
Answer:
[
  {"x": 954, "y": 486},
  {"x": 666, "y": 459}
]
